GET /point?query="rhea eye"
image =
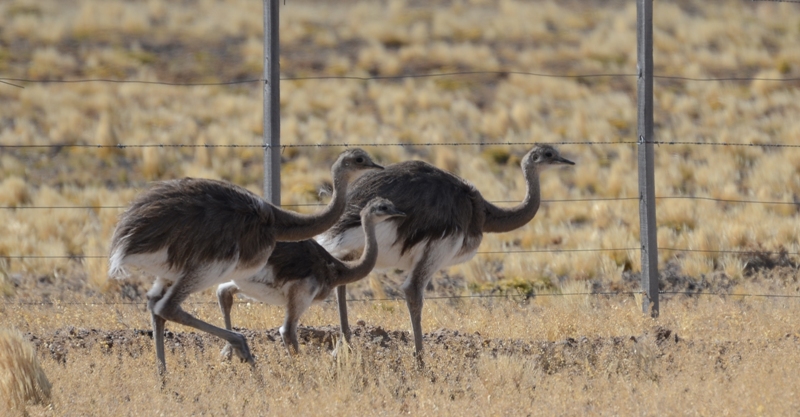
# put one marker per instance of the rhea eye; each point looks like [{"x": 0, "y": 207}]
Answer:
[
  {"x": 360, "y": 160},
  {"x": 548, "y": 155}
]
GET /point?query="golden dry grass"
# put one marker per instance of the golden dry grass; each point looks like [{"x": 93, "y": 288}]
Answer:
[
  {"x": 562, "y": 356},
  {"x": 214, "y": 41},
  {"x": 22, "y": 380}
]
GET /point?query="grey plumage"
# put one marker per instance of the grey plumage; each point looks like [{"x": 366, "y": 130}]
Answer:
[
  {"x": 292, "y": 261},
  {"x": 195, "y": 233},
  {"x": 300, "y": 273},
  {"x": 445, "y": 222},
  {"x": 438, "y": 203},
  {"x": 235, "y": 223}
]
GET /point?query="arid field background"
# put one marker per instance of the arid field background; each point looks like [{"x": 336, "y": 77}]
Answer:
[{"x": 546, "y": 342}]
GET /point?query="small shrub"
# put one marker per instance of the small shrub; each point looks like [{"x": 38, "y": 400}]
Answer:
[{"x": 22, "y": 380}]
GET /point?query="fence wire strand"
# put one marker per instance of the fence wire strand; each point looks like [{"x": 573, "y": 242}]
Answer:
[
  {"x": 495, "y": 252},
  {"x": 511, "y": 297},
  {"x": 11, "y": 81},
  {"x": 564, "y": 200},
  {"x": 308, "y": 145},
  {"x": 731, "y": 251},
  {"x": 488, "y": 252},
  {"x": 387, "y": 144}
]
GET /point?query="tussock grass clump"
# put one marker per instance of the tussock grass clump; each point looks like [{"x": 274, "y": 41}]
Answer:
[
  {"x": 22, "y": 379},
  {"x": 6, "y": 285},
  {"x": 13, "y": 192}
]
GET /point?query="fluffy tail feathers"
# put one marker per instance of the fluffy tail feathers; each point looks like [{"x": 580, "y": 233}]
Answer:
[{"x": 116, "y": 267}]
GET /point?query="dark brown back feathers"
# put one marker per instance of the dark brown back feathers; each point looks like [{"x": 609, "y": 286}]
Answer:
[
  {"x": 437, "y": 203},
  {"x": 197, "y": 220},
  {"x": 299, "y": 260}
]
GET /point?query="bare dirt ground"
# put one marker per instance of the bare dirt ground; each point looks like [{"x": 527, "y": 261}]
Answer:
[{"x": 549, "y": 357}]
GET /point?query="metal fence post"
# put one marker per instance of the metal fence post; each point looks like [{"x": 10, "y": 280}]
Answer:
[
  {"x": 647, "y": 201},
  {"x": 272, "y": 103}
]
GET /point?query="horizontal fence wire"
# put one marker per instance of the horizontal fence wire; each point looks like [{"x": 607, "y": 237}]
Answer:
[
  {"x": 726, "y": 200},
  {"x": 61, "y": 207},
  {"x": 323, "y": 77},
  {"x": 511, "y": 297},
  {"x": 11, "y": 81},
  {"x": 512, "y": 251},
  {"x": 565, "y": 200},
  {"x": 391, "y": 144},
  {"x": 309, "y": 145},
  {"x": 493, "y": 252},
  {"x": 731, "y": 251},
  {"x": 753, "y": 145}
]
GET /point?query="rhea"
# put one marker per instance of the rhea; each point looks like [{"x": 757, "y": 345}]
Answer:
[
  {"x": 298, "y": 274},
  {"x": 446, "y": 218},
  {"x": 192, "y": 234}
]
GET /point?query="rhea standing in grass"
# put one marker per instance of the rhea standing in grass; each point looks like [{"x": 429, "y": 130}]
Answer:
[
  {"x": 301, "y": 273},
  {"x": 193, "y": 234},
  {"x": 444, "y": 224}
]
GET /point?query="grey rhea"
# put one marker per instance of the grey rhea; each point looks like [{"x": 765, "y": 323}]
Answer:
[
  {"x": 301, "y": 273},
  {"x": 192, "y": 234},
  {"x": 444, "y": 224}
]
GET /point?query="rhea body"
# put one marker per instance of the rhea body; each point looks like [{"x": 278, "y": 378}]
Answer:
[
  {"x": 444, "y": 224},
  {"x": 299, "y": 274},
  {"x": 192, "y": 234}
]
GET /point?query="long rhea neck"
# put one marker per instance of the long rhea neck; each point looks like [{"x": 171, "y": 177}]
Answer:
[
  {"x": 361, "y": 267},
  {"x": 293, "y": 226},
  {"x": 500, "y": 220}
]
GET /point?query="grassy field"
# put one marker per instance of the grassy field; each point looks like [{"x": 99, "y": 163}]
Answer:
[
  {"x": 562, "y": 356},
  {"x": 584, "y": 354}
]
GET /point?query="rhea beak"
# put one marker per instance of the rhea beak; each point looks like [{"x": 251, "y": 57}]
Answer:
[
  {"x": 397, "y": 213},
  {"x": 376, "y": 166},
  {"x": 565, "y": 161}
]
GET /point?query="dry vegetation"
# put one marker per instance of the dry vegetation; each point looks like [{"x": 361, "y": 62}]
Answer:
[
  {"x": 564, "y": 355},
  {"x": 22, "y": 380}
]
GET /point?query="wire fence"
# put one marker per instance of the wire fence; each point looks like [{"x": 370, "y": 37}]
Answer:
[
  {"x": 546, "y": 201},
  {"x": 390, "y": 144},
  {"x": 495, "y": 252},
  {"x": 518, "y": 297},
  {"x": 391, "y": 77},
  {"x": 20, "y": 82},
  {"x": 487, "y": 252},
  {"x": 490, "y": 252}
]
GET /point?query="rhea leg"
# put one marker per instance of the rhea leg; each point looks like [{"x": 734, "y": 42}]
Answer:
[
  {"x": 153, "y": 296},
  {"x": 300, "y": 299},
  {"x": 169, "y": 308},
  {"x": 341, "y": 296},
  {"x": 414, "y": 301},
  {"x": 414, "y": 288},
  {"x": 225, "y": 294}
]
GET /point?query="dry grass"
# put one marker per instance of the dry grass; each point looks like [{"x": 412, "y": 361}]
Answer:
[
  {"x": 22, "y": 379},
  {"x": 212, "y": 41},
  {"x": 554, "y": 355},
  {"x": 405, "y": 38}
]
